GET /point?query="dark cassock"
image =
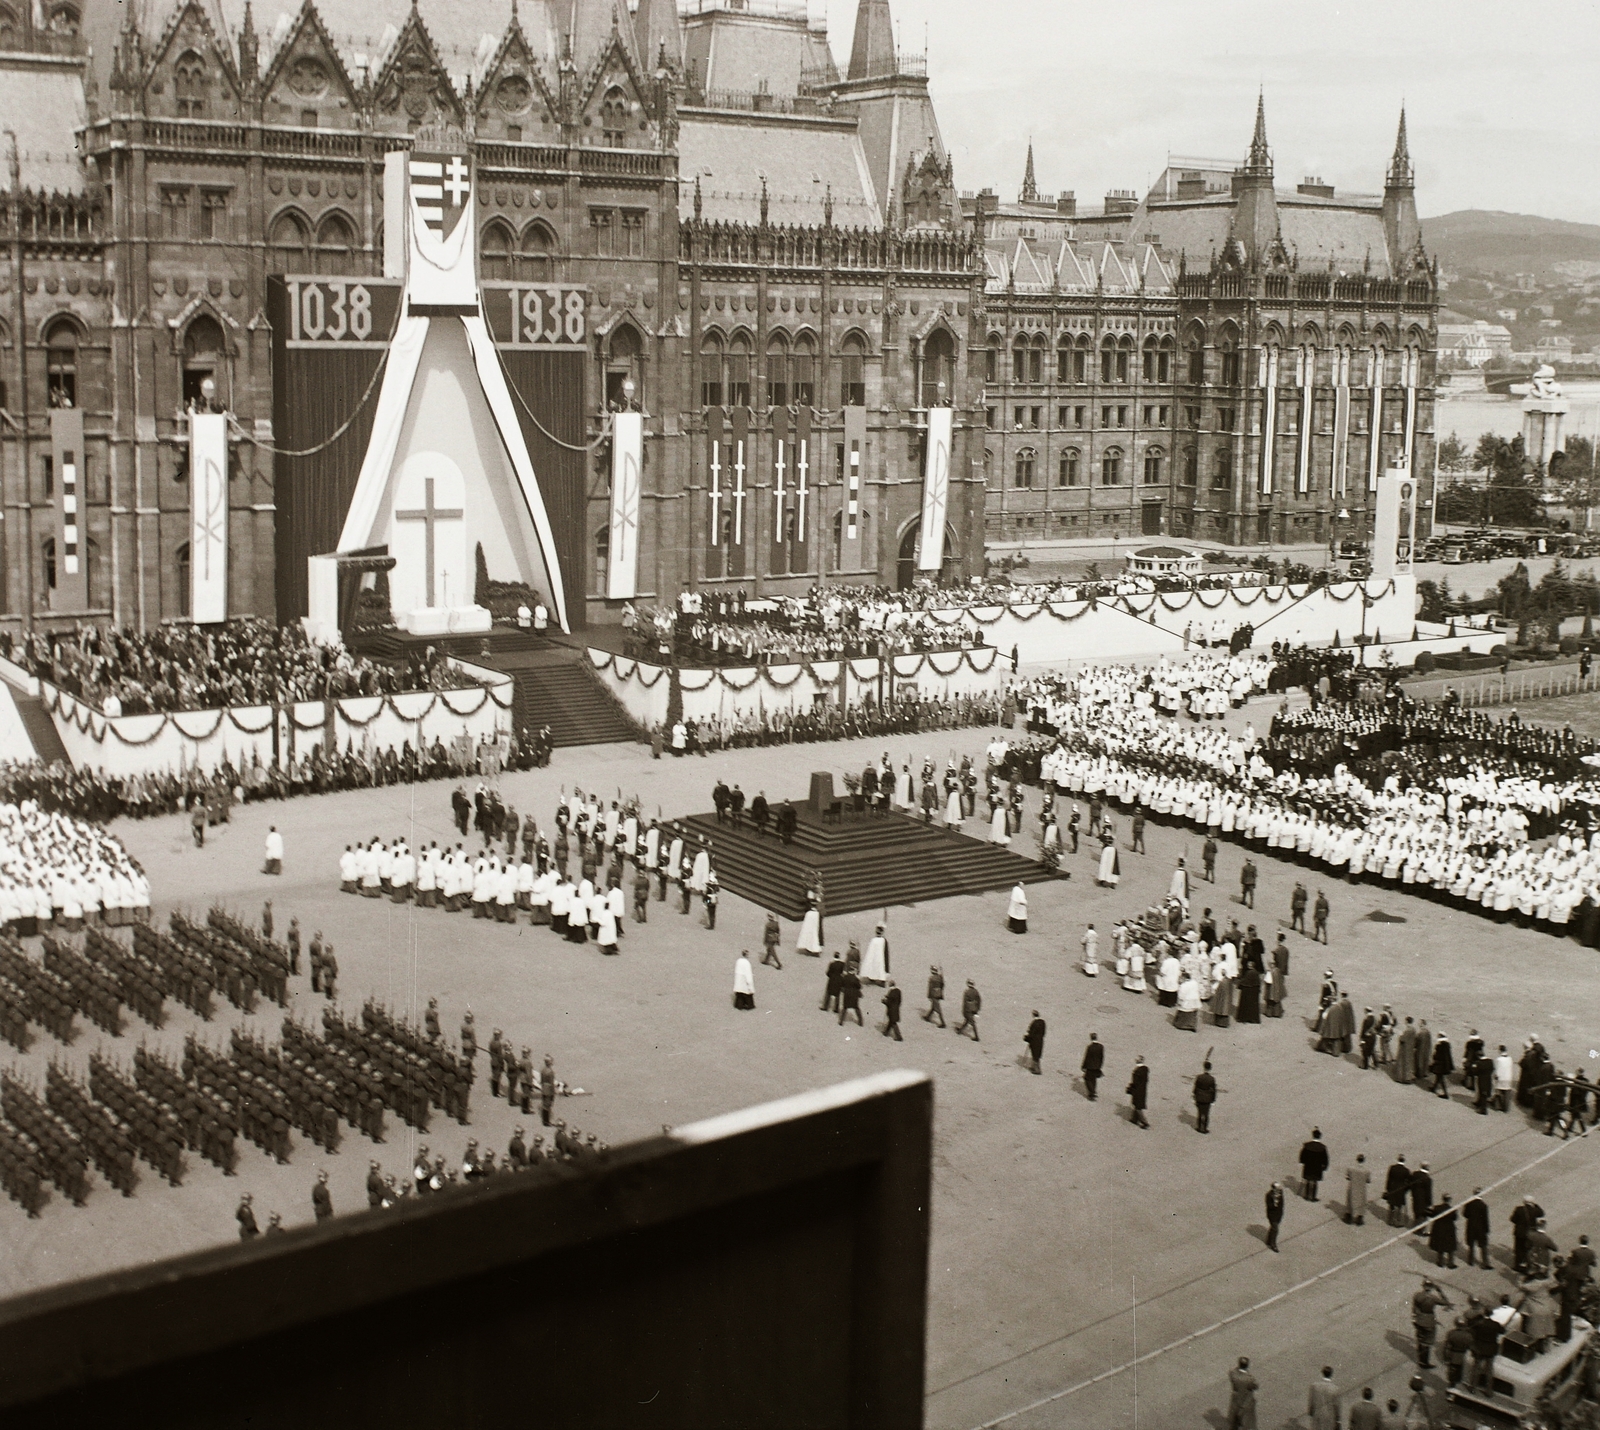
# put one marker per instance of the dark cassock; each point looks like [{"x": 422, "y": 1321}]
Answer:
[{"x": 1249, "y": 994}]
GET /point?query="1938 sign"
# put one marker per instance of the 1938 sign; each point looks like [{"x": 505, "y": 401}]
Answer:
[{"x": 317, "y": 312}]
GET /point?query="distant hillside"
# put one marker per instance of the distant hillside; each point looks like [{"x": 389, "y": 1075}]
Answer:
[{"x": 1485, "y": 241}]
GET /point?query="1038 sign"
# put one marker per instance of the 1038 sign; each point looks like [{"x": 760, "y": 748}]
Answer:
[
  {"x": 536, "y": 315},
  {"x": 346, "y": 312}
]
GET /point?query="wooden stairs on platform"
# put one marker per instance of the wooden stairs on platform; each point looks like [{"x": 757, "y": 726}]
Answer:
[
  {"x": 866, "y": 862},
  {"x": 41, "y": 728},
  {"x": 554, "y": 683}
]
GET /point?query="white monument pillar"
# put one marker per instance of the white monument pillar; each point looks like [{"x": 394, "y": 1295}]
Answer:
[{"x": 1542, "y": 411}]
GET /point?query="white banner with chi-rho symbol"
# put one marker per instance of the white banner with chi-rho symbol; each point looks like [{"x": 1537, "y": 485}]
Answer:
[
  {"x": 627, "y": 453},
  {"x": 208, "y": 531}
]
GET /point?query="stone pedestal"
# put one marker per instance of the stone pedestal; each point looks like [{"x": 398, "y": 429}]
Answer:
[{"x": 821, "y": 795}]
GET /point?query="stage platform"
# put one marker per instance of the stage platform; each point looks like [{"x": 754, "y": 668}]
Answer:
[{"x": 867, "y": 861}]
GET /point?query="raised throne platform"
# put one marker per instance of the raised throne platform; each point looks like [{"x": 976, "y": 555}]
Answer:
[{"x": 867, "y": 861}]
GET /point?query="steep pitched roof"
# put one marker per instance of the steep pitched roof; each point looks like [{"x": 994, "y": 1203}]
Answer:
[
  {"x": 43, "y": 104},
  {"x": 801, "y": 160}
]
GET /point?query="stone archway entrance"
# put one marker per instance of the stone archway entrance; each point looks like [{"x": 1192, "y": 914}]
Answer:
[{"x": 906, "y": 572}]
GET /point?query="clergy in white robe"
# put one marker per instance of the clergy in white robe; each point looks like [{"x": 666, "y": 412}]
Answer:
[
  {"x": 744, "y": 984},
  {"x": 809, "y": 939},
  {"x": 1110, "y": 871},
  {"x": 875, "y": 965},
  {"x": 952, "y": 810},
  {"x": 998, "y": 833},
  {"x": 1017, "y": 910}
]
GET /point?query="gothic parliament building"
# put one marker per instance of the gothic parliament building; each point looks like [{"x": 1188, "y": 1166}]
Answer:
[{"x": 742, "y": 237}]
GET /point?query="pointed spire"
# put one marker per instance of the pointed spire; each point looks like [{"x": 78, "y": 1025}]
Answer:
[
  {"x": 1400, "y": 171},
  {"x": 872, "y": 52},
  {"x": 1260, "y": 156},
  {"x": 1030, "y": 188},
  {"x": 660, "y": 42},
  {"x": 249, "y": 47}
]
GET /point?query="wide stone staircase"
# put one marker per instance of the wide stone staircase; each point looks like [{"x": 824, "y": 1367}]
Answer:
[
  {"x": 866, "y": 862},
  {"x": 554, "y": 683}
]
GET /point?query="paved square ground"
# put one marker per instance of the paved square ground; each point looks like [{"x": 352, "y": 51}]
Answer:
[{"x": 1066, "y": 1242}]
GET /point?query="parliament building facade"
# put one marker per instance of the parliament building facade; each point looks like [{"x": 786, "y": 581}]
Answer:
[{"x": 761, "y": 241}]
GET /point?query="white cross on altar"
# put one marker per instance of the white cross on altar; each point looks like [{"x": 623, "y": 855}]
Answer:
[
  {"x": 430, "y": 516},
  {"x": 778, "y": 491},
  {"x": 716, "y": 492},
  {"x": 455, "y": 183},
  {"x": 801, "y": 467},
  {"x": 738, "y": 493}
]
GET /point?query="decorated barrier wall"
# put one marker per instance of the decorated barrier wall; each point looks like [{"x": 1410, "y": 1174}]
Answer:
[
  {"x": 644, "y": 688},
  {"x": 134, "y": 744},
  {"x": 1132, "y": 626}
]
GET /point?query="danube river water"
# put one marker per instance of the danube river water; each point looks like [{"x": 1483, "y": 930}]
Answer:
[{"x": 1472, "y": 414}]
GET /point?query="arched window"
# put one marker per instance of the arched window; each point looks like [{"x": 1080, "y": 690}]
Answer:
[
  {"x": 538, "y": 253},
  {"x": 1154, "y": 460},
  {"x": 738, "y": 379},
  {"x": 777, "y": 370},
  {"x": 1114, "y": 360},
  {"x": 1023, "y": 473},
  {"x": 602, "y": 559},
  {"x": 853, "y": 371},
  {"x": 47, "y": 555},
  {"x": 181, "y": 561},
  {"x": 1195, "y": 353},
  {"x": 335, "y": 240},
  {"x": 991, "y": 359},
  {"x": 624, "y": 361},
  {"x": 189, "y": 84},
  {"x": 803, "y": 371},
  {"x": 938, "y": 368},
  {"x": 287, "y": 241},
  {"x": 614, "y": 118},
  {"x": 496, "y": 255},
  {"x": 65, "y": 20},
  {"x": 202, "y": 358},
  {"x": 1228, "y": 346},
  {"x": 1041, "y": 345},
  {"x": 9, "y": 29},
  {"x": 1111, "y": 468},
  {"x": 1191, "y": 467},
  {"x": 1157, "y": 359},
  {"x": 61, "y": 364},
  {"x": 1222, "y": 474},
  {"x": 710, "y": 370},
  {"x": 1019, "y": 359},
  {"x": 1067, "y": 474}
]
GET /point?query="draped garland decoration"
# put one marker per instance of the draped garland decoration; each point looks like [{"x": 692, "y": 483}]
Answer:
[
  {"x": 784, "y": 677},
  {"x": 135, "y": 731}
]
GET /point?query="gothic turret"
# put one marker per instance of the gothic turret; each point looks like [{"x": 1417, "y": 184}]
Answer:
[
  {"x": 1030, "y": 186},
  {"x": 1401, "y": 228},
  {"x": 1255, "y": 214}
]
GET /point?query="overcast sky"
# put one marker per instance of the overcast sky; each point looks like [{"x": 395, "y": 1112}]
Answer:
[{"x": 1500, "y": 97}]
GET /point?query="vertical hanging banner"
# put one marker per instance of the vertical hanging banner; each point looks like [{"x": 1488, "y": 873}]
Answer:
[
  {"x": 782, "y": 489},
  {"x": 1375, "y": 434},
  {"x": 1305, "y": 376},
  {"x": 935, "y": 488},
  {"x": 1410, "y": 372},
  {"x": 71, "y": 591},
  {"x": 852, "y": 472},
  {"x": 716, "y": 492},
  {"x": 799, "y": 530},
  {"x": 1339, "y": 480},
  {"x": 627, "y": 459},
  {"x": 208, "y": 498},
  {"x": 1269, "y": 416},
  {"x": 739, "y": 490}
]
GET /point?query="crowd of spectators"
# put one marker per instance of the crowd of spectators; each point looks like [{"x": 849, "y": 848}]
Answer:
[
  {"x": 100, "y": 796},
  {"x": 244, "y": 662},
  {"x": 1483, "y": 814}
]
